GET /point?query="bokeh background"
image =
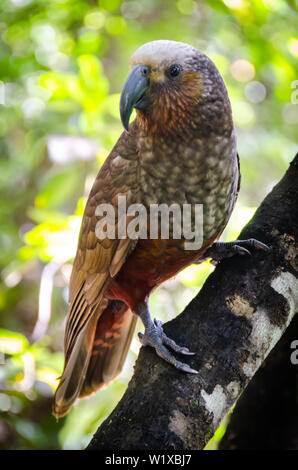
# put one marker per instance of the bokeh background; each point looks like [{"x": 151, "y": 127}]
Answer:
[{"x": 62, "y": 66}]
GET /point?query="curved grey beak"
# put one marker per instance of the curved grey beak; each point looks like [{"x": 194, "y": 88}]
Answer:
[{"x": 134, "y": 88}]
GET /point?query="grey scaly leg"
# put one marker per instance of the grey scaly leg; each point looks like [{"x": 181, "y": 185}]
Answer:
[{"x": 155, "y": 337}]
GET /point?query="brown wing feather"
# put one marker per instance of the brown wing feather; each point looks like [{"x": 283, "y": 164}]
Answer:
[{"x": 96, "y": 263}]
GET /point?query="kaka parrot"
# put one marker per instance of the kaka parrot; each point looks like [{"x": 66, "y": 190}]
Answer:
[{"x": 180, "y": 149}]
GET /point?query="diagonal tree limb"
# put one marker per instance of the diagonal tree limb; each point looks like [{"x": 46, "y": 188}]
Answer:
[{"x": 239, "y": 315}]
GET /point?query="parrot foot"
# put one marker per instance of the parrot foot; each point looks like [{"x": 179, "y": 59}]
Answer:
[
  {"x": 155, "y": 337},
  {"x": 221, "y": 250}
]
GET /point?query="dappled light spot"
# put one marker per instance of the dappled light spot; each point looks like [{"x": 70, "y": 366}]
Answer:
[
  {"x": 234, "y": 4},
  {"x": 293, "y": 47},
  {"x": 242, "y": 70},
  {"x": 64, "y": 149},
  {"x": 255, "y": 92}
]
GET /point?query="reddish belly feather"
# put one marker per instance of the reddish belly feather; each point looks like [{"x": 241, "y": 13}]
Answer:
[{"x": 150, "y": 264}]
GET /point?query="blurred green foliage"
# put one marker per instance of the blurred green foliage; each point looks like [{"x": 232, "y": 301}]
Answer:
[{"x": 62, "y": 66}]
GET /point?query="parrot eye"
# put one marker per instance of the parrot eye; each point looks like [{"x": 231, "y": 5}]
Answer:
[
  {"x": 145, "y": 71},
  {"x": 174, "y": 71}
]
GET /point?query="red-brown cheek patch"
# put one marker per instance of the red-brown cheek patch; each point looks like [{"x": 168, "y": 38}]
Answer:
[
  {"x": 192, "y": 85},
  {"x": 172, "y": 103}
]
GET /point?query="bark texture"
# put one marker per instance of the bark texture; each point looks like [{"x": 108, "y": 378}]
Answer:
[
  {"x": 266, "y": 415},
  {"x": 239, "y": 315}
]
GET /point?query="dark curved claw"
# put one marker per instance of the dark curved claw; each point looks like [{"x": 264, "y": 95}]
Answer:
[{"x": 221, "y": 250}]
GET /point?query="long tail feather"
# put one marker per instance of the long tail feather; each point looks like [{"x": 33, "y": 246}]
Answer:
[
  {"x": 97, "y": 356},
  {"x": 75, "y": 370},
  {"x": 114, "y": 332}
]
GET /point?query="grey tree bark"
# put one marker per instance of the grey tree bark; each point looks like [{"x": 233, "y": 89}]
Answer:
[
  {"x": 266, "y": 414},
  {"x": 239, "y": 315}
]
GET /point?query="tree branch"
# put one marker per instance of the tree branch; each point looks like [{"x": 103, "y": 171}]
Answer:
[
  {"x": 266, "y": 415},
  {"x": 241, "y": 312}
]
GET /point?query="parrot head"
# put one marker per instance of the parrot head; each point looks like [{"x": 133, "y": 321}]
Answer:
[{"x": 170, "y": 82}]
